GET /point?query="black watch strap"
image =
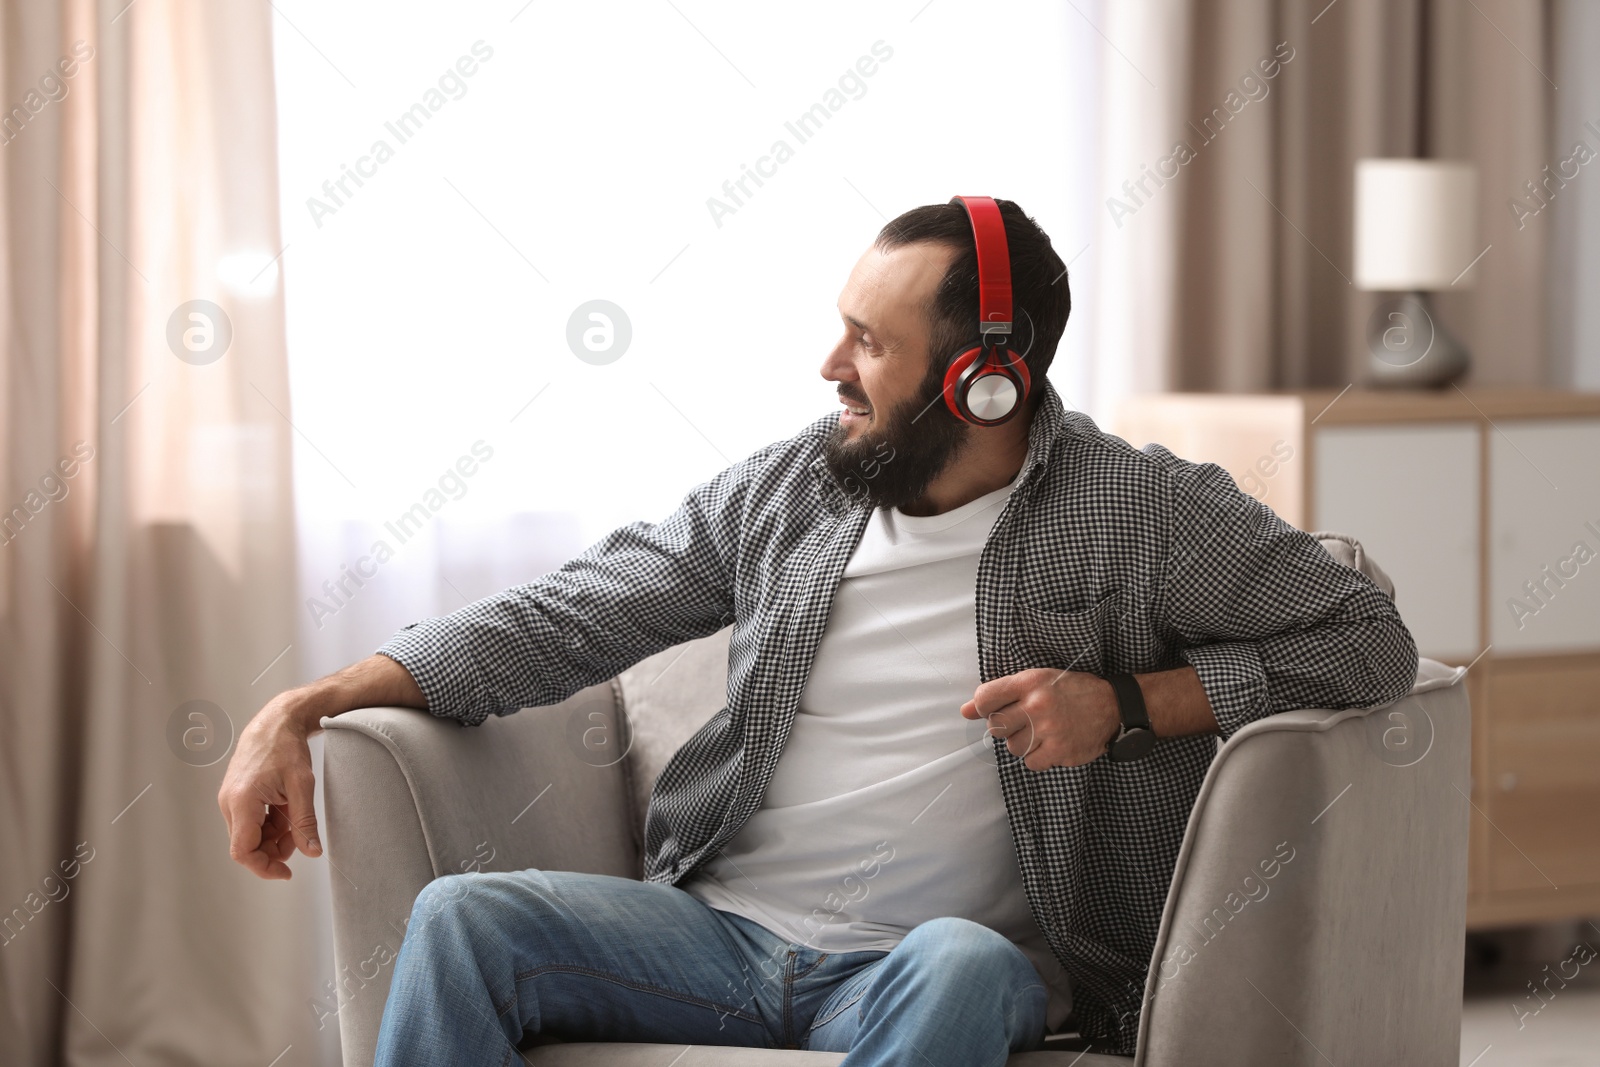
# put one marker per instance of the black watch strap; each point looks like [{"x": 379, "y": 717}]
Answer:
[
  {"x": 1135, "y": 739},
  {"x": 1130, "y": 701}
]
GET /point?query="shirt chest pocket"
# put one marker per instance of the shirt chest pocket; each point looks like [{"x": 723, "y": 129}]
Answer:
[{"x": 1067, "y": 640}]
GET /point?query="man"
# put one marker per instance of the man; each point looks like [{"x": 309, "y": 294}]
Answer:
[{"x": 840, "y": 859}]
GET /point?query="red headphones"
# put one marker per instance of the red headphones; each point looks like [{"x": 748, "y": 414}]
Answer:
[{"x": 986, "y": 384}]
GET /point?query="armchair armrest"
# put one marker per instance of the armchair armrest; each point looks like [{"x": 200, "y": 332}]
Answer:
[
  {"x": 1318, "y": 909},
  {"x": 410, "y": 797}
]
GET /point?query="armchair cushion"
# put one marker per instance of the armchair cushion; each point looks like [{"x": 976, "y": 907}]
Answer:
[{"x": 666, "y": 698}]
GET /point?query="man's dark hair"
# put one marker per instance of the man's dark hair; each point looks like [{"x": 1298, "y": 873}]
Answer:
[{"x": 1039, "y": 292}]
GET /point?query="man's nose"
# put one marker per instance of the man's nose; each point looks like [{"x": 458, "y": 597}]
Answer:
[{"x": 836, "y": 367}]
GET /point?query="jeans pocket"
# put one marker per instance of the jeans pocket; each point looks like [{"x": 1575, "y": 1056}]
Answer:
[{"x": 845, "y": 998}]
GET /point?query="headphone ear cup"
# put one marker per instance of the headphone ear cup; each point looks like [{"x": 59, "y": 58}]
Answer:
[
  {"x": 1014, "y": 369},
  {"x": 952, "y": 381},
  {"x": 975, "y": 364}
]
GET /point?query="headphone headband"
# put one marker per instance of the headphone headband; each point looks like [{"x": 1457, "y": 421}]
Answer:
[
  {"x": 994, "y": 267},
  {"x": 986, "y": 384}
]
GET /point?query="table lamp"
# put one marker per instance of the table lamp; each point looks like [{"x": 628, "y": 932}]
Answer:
[{"x": 1415, "y": 231}]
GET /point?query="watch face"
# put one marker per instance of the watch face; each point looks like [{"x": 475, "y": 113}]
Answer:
[{"x": 1133, "y": 744}]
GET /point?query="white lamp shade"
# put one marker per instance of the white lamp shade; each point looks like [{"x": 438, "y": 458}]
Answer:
[{"x": 1416, "y": 223}]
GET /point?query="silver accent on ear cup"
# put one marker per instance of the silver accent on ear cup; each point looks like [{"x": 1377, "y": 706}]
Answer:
[{"x": 992, "y": 396}]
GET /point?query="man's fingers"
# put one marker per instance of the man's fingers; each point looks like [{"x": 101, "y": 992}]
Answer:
[
  {"x": 303, "y": 813},
  {"x": 277, "y": 836},
  {"x": 1012, "y": 720},
  {"x": 1000, "y": 725},
  {"x": 1001, "y": 692},
  {"x": 244, "y": 827},
  {"x": 260, "y": 837},
  {"x": 227, "y": 815},
  {"x": 247, "y": 844},
  {"x": 984, "y": 705},
  {"x": 277, "y": 845}
]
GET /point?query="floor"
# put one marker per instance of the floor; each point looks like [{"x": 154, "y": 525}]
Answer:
[{"x": 1506, "y": 1024}]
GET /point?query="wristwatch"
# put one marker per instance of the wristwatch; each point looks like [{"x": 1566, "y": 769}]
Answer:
[{"x": 1135, "y": 738}]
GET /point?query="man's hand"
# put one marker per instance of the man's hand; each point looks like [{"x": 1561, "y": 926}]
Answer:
[
  {"x": 1049, "y": 717},
  {"x": 1054, "y": 718},
  {"x": 266, "y": 796}
]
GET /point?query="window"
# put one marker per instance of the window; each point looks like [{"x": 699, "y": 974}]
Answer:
[{"x": 457, "y": 181}]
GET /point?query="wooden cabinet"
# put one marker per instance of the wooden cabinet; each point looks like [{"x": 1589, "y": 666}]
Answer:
[
  {"x": 1484, "y": 507},
  {"x": 1543, "y": 778}
]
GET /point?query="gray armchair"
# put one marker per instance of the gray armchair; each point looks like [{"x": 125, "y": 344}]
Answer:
[{"x": 1349, "y": 951}]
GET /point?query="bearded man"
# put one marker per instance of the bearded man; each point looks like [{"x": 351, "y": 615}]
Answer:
[{"x": 982, "y": 656}]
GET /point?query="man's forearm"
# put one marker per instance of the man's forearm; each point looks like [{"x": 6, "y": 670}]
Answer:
[
  {"x": 1177, "y": 703},
  {"x": 376, "y": 681}
]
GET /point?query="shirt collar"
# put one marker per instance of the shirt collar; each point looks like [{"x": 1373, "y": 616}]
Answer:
[{"x": 1049, "y": 422}]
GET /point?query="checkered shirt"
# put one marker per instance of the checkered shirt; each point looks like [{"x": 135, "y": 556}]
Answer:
[{"x": 1105, "y": 558}]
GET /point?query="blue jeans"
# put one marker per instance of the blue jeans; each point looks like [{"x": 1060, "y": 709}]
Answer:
[{"x": 488, "y": 958}]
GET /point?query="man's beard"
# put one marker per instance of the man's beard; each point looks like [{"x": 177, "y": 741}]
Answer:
[{"x": 893, "y": 465}]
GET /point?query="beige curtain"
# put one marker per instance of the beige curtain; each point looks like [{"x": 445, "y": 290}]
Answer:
[
  {"x": 1235, "y": 274},
  {"x": 147, "y": 541},
  {"x": 1571, "y": 223}
]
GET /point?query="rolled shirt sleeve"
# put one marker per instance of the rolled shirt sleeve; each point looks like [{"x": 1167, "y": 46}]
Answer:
[{"x": 1267, "y": 618}]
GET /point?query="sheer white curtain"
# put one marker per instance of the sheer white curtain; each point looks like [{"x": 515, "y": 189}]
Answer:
[{"x": 457, "y": 182}]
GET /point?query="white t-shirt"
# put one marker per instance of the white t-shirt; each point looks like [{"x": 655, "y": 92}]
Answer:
[{"x": 885, "y": 808}]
